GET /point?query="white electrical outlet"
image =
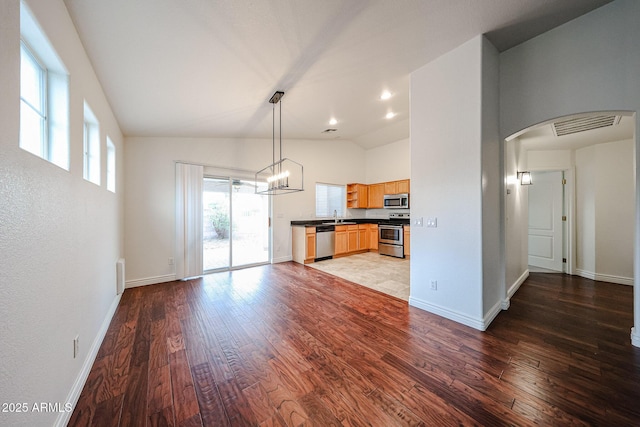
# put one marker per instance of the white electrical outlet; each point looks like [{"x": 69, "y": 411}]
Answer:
[
  {"x": 418, "y": 222},
  {"x": 432, "y": 222},
  {"x": 76, "y": 346},
  {"x": 434, "y": 285}
]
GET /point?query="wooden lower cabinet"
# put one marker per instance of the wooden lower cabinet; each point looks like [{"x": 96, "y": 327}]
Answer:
[
  {"x": 311, "y": 245},
  {"x": 341, "y": 240},
  {"x": 303, "y": 246},
  {"x": 352, "y": 242},
  {"x": 363, "y": 237},
  {"x": 373, "y": 237},
  {"x": 407, "y": 240}
]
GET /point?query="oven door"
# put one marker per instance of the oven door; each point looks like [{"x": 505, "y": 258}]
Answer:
[{"x": 391, "y": 234}]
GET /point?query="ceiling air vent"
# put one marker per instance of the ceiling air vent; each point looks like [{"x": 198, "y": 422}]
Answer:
[{"x": 581, "y": 124}]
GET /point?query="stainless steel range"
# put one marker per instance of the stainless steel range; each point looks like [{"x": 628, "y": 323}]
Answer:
[{"x": 391, "y": 235}]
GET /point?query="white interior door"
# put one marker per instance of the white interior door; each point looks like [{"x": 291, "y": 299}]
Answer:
[{"x": 545, "y": 220}]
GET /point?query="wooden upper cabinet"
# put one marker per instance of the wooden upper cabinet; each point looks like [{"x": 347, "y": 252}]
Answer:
[
  {"x": 357, "y": 196},
  {"x": 391, "y": 187},
  {"x": 376, "y": 193},
  {"x": 403, "y": 186}
]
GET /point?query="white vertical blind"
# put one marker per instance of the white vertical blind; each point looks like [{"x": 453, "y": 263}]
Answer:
[
  {"x": 188, "y": 258},
  {"x": 329, "y": 198}
]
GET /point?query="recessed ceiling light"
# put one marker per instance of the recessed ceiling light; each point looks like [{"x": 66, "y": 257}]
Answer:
[
  {"x": 385, "y": 95},
  {"x": 390, "y": 115},
  {"x": 333, "y": 121}
]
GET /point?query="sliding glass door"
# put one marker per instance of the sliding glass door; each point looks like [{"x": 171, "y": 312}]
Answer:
[{"x": 235, "y": 224}]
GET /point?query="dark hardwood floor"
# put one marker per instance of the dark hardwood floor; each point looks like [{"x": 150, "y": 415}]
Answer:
[{"x": 290, "y": 345}]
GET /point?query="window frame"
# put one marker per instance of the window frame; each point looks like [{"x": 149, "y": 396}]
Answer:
[
  {"x": 91, "y": 145},
  {"x": 341, "y": 211},
  {"x": 42, "y": 110},
  {"x": 111, "y": 165},
  {"x": 55, "y": 142}
]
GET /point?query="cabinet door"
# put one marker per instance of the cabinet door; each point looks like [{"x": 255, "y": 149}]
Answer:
[
  {"x": 407, "y": 240},
  {"x": 391, "y": 187},
  {"x": 341, "y": 242},
  {"x": 310, "y": 246},
  {"x": 373, "y": 236},
  {"x": 363, "y": 237},
  {"x": 403, "y": 186},
  {"x": 376, "y": 193},
  {"x": 352, "y": 236}
]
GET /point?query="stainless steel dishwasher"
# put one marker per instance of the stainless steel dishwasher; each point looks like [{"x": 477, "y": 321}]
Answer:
[{"x": 325, "y": 241}]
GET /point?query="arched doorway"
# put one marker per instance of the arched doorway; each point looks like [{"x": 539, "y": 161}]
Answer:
[{"x": 596, "y": 152}]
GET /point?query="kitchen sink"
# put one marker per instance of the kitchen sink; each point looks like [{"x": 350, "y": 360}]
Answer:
[{"x": 339, "y": 223}]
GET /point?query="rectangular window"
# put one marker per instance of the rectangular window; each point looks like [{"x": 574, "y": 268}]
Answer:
[
  {"x": 44, "y": 95},
  {"x": 111, "y": 166},
  {"x": 91, "y": 146},
  {"x": 33, "y": 95},
  {"x": 330, "y": 198}
]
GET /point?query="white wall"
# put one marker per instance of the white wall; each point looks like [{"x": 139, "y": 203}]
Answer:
[
  {"x": 150, "y": 183},
  {"x": 388, "y": 162},
  {"x": 60, "y": 235},
  {"x": 448, "y": 165},
  {"x": 546, "y": 160},
  {"x": 516, "y": 214},
  {"x": 605, "y": 217},
  {"x": 588, "y": 64},
  {"x": 586, "y": 186}
]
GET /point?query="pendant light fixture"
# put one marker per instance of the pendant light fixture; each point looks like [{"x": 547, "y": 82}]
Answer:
[{"x": 282, "y": 176}]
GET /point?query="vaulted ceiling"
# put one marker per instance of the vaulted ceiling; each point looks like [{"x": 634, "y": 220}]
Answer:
[{"x": 205, "y": 68}]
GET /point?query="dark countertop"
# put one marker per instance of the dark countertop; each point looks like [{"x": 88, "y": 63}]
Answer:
[{"x": 316, "y": 222}]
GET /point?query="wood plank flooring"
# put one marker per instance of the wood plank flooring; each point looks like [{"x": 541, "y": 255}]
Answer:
[{"x": 287, "y": 345}]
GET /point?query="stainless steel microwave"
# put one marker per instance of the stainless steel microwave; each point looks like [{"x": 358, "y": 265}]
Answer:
[{"x": 396, "y": 201}]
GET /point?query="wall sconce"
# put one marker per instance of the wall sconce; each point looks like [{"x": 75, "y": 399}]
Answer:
[{"x": 525, "y": 178}]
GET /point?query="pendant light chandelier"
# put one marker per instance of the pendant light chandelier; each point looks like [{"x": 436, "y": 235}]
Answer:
[{"x": 282, "y": 176}]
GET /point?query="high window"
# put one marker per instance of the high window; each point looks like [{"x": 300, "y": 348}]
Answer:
[
  {"x": 330, "y": 199},
  {"x": 44, "y": 95},
  {"x": 91, "y": 146},
  {"x": 111, "y": 166}
]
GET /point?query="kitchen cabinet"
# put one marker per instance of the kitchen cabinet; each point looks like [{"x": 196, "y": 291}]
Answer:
[
  {"x": 352, "y": 238},
  {"x": 391, "y": 187},
  {"x": 407, "y": 240},
  {"x": 363, "y": 237},
  {"x": 341, "y": 240},
  {"x": 303, "y": 244},
  {"x": 402, "y": 186},
  {"x": 310, "y": 250},
  {"x": 357, "y": 196},
  {"x": 376, "y": 195},
  {"x": 373, "y": 237}
]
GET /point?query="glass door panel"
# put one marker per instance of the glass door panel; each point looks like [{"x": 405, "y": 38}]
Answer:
[
  {"x": 216, "y": 227},
  {"x": 250, "y": 224}
]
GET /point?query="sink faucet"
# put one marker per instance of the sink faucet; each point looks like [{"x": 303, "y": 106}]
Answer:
[{"x": 335, "y": 216}]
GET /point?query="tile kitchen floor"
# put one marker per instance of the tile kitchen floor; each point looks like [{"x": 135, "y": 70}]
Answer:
[{"x": 382, "y": 273}]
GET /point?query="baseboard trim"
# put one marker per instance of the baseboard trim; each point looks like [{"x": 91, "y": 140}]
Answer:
[
  {"x": 81, "y": 379},
  {"x": 447, "y": 313},
  {"x": 516, "y": 285},
  {"x": 150, "y": 281},
  {"x": 282, "y": 259},
  {"x": 491, "y": 315},
  {"x": 605, "y": 277},
  {"x": 635, "y": 337}
]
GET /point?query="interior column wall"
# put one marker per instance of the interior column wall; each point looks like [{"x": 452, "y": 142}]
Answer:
[{"x": 455, "y": 175}]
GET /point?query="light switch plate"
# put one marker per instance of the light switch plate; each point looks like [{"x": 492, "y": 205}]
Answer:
[
  {"x": 432, "y": 222},
  {"x": 418, "y": 222}
]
